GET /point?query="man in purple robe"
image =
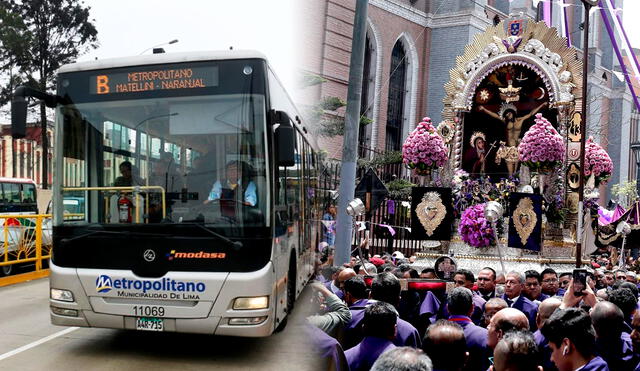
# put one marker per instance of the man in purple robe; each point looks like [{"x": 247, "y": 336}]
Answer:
[
  {"x": 545, "y": 310},
  {"x": 572, "y": 341},
  {"x": 516, "y": 351},
  {"x": 508, "y": 319},
  {"x": 513, "y": 295},
  {"x": 333, "y": 284},
  {"x": 464, "y": 278},
  {"x": 493, "y": 306},
  {"x": 460, "y": 306},
  {"x": 328, "y": 349},
  {"x": 532, "y": 287},
  {"x": 386, "y": 288},
  {"x": 432, "y": 308},
  {"x": 486, "y": 283},
  {"x": 627, "y": 301},
  {"x": 635, "y": 335},
  {"x": 612, "y": 343},
  {"x": 445, "y": 344},
  {"x": 379, "y": 327},
  {"x": 550, "y": 284}
]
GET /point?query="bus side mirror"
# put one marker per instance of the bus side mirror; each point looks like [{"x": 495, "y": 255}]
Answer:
[
  {"x": 285, "y": 141},
  {"x": 18, "y": 117}
]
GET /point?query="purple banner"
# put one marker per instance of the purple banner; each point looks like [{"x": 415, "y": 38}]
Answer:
[
  {"x": 546, "y": 13},
  {"x": 616, "y": 48}
]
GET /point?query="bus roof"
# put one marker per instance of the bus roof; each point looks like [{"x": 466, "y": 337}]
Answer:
[
  {"x": 16, "y": 180},
  {"x": 161, "y": 58}
]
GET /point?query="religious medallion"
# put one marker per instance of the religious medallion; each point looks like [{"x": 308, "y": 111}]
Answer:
[
  {"x": 573, "y": 177},
  {"x": 431, "y": 212},
  {"x": 524, "y": 219}
]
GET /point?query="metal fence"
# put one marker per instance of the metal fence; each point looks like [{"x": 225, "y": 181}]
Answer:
[
  {"x": 388, "y": 225},
  {"x": 24, "y": 240}
]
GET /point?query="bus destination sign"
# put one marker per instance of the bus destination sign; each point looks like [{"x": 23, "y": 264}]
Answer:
[{"x": 160, "y": 79}]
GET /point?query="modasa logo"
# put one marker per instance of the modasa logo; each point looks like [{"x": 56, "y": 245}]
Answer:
[
  {"x": 104, "y": 284},
  {"x": 195, "y": 255}
]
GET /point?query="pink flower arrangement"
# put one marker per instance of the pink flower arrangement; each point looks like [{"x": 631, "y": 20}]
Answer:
[
  {"x": 424, "y": 148},
  {"x": 474, "y": 229},
  {"x": 542, "y": 147},
  {"x": 597, "y": 161}
]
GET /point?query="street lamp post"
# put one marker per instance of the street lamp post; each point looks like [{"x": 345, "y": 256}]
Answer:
[
  {"x": 635, "y": 147},
  {"x": 583, "y": 127}
]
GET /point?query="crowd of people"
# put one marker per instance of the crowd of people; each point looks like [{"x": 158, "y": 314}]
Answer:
[{"x": 368, "y": 320}]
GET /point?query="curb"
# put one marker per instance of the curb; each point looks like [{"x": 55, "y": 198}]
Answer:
[{"x": 23, "y": 277}]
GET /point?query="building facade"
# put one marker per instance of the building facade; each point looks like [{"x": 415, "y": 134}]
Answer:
[
  {"x": 22, "y": 158},
  {"x": 411, "y": 46}
]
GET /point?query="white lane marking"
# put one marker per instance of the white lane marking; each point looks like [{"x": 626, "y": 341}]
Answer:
[{"x": 37, "y": 342}]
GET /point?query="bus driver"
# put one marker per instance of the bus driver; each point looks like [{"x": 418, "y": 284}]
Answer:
[{"x": 232, "y": 183}]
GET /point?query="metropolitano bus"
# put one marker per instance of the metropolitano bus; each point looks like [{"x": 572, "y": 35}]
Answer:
[{"x": 175, "y": 243}]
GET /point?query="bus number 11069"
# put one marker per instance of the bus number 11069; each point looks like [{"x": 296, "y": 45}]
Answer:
[{"x": 149, "y": 311}]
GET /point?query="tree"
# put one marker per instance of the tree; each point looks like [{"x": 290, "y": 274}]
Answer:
[{"x": 51, "y": 33}]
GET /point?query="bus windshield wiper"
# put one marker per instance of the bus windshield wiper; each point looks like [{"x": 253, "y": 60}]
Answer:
[
  {"x": 94, "y": 231},
  {"x": 236, "y": 245}
]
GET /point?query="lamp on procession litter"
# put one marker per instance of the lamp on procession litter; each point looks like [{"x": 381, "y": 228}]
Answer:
[
  {"x": 493, "y": 211},
  {"x": 356, "y": 208},
  {"x": 623, "y": 228}
]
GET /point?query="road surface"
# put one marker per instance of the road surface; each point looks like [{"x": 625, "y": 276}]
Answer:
[{"x": 28, "y": 341}]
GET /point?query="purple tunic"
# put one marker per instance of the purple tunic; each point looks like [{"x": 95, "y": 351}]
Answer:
[
  {"x": 526, "y": 306},
  {"x": 328, "y": 348},
  {"x": 478, "y": 308},
  {"x": 542, "y": 297},
  {"x": 363, "y": 355},
  {"x": 433, "y": 308},
  {"x": 545, "y": 351},
  {"x": 331, "y": 286},
  {"x": 476, "y": 338},
  {"x": 596, "y": 364},
  {"x": 407, "y": 335},
  {"x": 618, "y": 354}
]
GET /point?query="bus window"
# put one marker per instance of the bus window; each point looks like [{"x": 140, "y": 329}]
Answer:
[
  {"x": 12, "y": 193},
  {"x": 28, "y": 193}
]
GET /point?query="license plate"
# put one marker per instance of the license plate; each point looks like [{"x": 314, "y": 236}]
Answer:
[{"x": 149, "y": 324}]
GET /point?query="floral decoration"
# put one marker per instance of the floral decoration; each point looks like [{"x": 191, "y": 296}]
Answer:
[
  {"x": 542, "y": 148},
  {"x": 424, "y": 149},
  {"x": 597, "y": 162},
  {"x": 474, "y": 228}
]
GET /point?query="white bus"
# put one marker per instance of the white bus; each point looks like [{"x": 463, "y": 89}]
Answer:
[{"x": 166, "y": 238}]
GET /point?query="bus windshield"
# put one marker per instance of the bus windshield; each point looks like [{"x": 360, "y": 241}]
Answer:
[{"x": 171, "y": 144}]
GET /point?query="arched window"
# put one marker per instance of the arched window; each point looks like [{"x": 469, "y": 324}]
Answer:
[
  {"x": 395, "y": 105},
  {"x": 366, "y": 104}
]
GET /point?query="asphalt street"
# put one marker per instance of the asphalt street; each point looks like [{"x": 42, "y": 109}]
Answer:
[{"x": 28, "y": 341}]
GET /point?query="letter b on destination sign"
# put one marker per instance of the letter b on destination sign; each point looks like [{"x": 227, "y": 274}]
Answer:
[{"x": 102, "y": 84}]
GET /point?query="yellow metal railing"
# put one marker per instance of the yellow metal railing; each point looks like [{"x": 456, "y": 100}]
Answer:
[{"x": 26, "y": 238}]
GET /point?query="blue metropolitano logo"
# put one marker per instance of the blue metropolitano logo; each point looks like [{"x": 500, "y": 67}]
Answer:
[{"x": 105, "y": 284}]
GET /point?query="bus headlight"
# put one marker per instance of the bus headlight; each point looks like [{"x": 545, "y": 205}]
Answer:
[
  {"x": 61, "y": 295},
  {"x": 256, "y": 302}
]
